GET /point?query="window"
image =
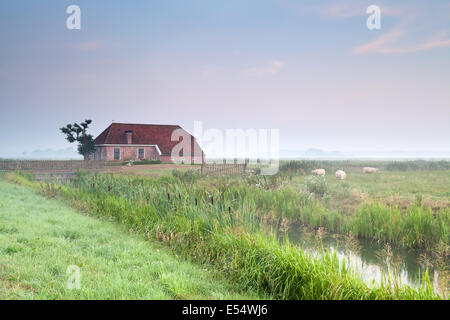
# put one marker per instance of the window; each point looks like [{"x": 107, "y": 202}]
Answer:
[
  {"x": 141, "y": 153},
  {"x": 116, "y": 153}
]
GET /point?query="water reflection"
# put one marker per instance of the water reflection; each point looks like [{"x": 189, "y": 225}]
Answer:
[{"x": 370, "y": 260}]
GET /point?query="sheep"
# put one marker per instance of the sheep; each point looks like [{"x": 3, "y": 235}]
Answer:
[
  {"x": 340, "y": 175},
  {"x": 318, "y": 172},
  {"x": 370, "y": 170}
]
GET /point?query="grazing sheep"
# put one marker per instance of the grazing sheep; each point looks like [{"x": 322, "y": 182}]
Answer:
[
  {"x": 340, "y": 175},
  {"x": 318, "y": 172},
  {"x": 370, "y": 170}
]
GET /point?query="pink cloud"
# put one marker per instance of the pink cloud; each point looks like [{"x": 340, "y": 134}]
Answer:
[{"x": 380, "y": 44}]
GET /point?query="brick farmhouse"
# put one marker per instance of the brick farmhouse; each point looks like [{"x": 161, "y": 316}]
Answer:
[{"x": 125, "y": 141}]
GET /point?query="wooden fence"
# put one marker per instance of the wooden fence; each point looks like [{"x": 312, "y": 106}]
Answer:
[
  {"x": 218, "y": 169},
  {"x": 50, "y": 165},
  {"x": 57, "y": 169}
]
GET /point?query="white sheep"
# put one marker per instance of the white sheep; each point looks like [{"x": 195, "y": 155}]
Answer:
[
  {"x": 370, "y": 170},
  {"x": 318, "y": 172},
  {"x": 340, "y": 175}
]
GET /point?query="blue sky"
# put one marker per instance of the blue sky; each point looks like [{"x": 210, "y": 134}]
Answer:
[{"x": 311, "y": 69}]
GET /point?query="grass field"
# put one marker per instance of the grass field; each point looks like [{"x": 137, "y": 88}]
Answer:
[
  {"x": 224, "y": 234},
  {"x": 40, "y": 238},
  {"x": 223, "y": 222}
]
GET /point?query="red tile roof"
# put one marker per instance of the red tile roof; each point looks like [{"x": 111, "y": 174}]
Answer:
[{"x": 142, "y": 134}]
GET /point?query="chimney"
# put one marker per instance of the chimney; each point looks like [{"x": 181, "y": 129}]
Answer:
[{"x": 129, "y": 134}]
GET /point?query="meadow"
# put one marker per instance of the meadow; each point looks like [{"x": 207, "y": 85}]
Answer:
[
  {"x": 233, "y": 224},
  {"x": 40, "y": 238}
]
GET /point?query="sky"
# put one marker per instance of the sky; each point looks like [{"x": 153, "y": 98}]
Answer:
[{"x": 311, "y": 69}]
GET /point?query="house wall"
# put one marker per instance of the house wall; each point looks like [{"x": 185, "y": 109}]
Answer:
[
  {"x": 150, "y": 153},
  {"x": 126, "y": 153}
]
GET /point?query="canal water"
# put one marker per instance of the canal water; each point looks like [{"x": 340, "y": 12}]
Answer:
[{"x": 372, "y": 261}]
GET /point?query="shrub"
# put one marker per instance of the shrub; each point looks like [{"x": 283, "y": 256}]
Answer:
[{"x": 317, "y": 185}]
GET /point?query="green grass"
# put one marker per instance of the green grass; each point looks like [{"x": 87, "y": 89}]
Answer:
[
  {"x": 40, "y": 238},
  {"x": 225, "y": 233}
]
